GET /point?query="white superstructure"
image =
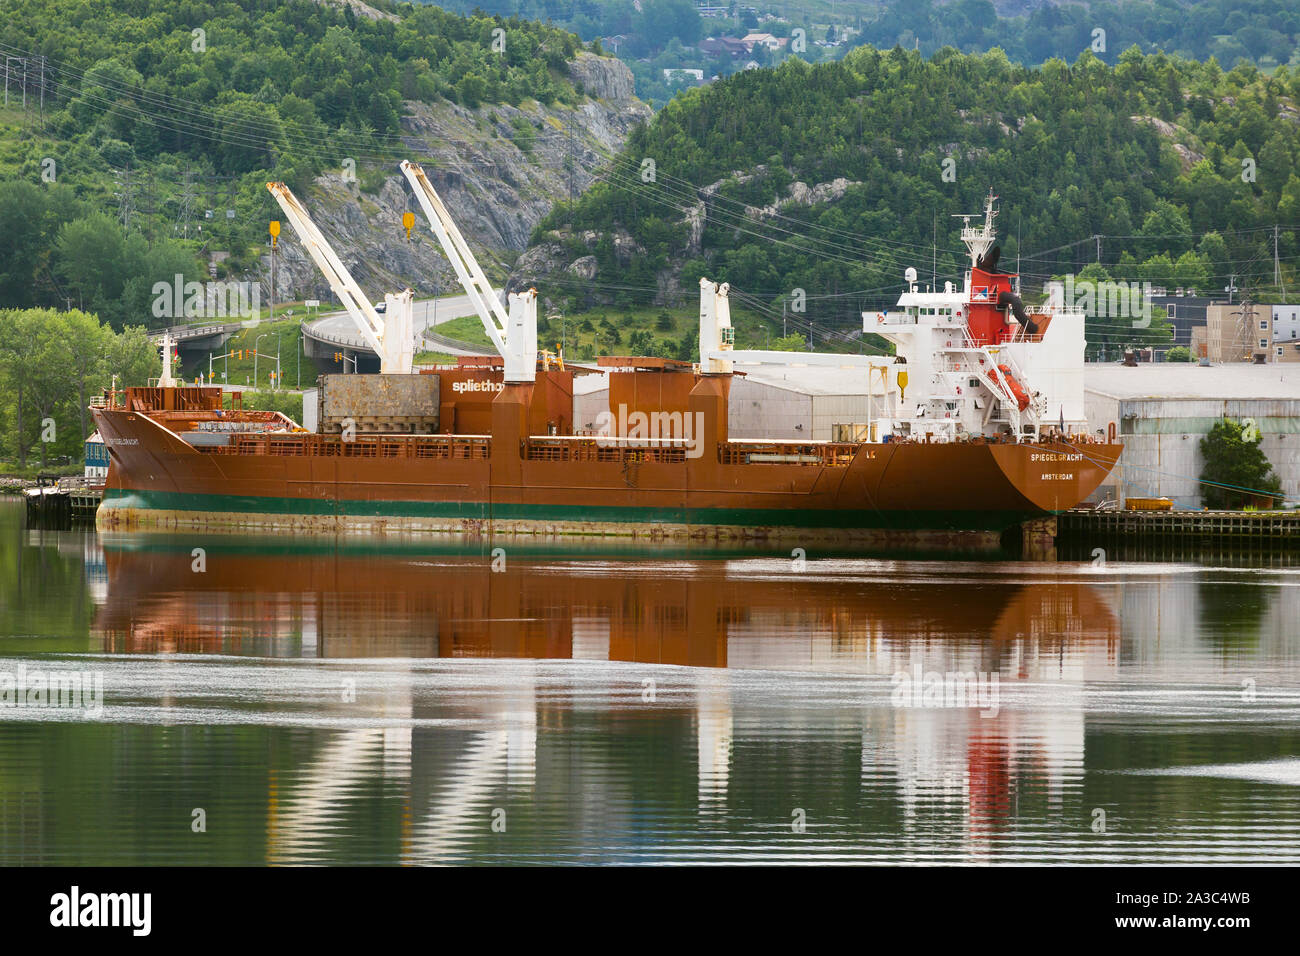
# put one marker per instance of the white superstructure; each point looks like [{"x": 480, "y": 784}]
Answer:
[
  {"x": 972, "y": 369},
  {"x": 964, "y": 365}
]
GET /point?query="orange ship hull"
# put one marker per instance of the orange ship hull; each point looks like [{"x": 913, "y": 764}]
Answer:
[{"x": 511, "y": 484}]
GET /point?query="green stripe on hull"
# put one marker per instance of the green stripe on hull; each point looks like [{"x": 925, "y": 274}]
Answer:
[{"x": 739, "y": 518}]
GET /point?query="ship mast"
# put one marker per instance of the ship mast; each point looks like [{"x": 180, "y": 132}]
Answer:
[{"x": 980, "y": 239}]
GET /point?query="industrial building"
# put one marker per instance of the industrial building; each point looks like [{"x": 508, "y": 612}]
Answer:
[
  {"x": 1286, "y": 325},
  {"x": 1162, "y": 411},
  {"x": 1185, "y": 313},
  {"x": 1238, "y": 333},
  {"x": 1248, "y": 332}
]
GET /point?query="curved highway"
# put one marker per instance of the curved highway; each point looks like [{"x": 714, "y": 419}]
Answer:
[{"x": 338, "y": 329}]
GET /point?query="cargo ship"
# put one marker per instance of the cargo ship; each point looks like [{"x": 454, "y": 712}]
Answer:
[{"x": 977, "y": 427}]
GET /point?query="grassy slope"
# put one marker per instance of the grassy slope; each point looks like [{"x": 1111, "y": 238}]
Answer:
[
  {"x": 753, "y": 330},
  {"x": 241, "y": 370}
]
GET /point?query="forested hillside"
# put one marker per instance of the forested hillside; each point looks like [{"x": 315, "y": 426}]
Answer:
[
  {"x": 1264, "y": 31},
  {"x": 655, "y": 35},
  {"x": 139, "y": 136},
  {"x": 145, "y": 137},
  {"x": 822, "y": 183}
]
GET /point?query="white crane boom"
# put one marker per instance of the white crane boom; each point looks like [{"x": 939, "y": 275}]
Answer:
[
  {"x": 717, "y": 341},
  {"x": 391, "y": 337},
  {"x": 515, "y": 333}
]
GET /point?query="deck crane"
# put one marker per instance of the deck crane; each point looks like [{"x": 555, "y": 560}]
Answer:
[
  {"x": 390, "y": 335},
  {"x": 719, "y": 354},
  {"x": 717, "y": 341},
  {"x": 514, "y": 333}
]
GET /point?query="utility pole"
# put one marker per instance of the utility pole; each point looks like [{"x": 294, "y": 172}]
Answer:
[
  {"x": 124, "y": 199},
  {"x": 273, "y": 227},
  {"x": 271, "y": 297},
  {"x": 1098, "y": 238},
  {"x": 256, "y": 355},
  {"x": 8, "y": 60},
  {"x": 1247, "y": 317},
  {"x": 570, "y": 145},
  {"x": 1277, "y": 272},
  {"x": 41, "y": 58},
  {"x": 187, "y": 203}
]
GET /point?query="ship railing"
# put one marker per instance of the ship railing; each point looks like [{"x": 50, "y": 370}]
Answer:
[
  {"x": 426, "y": 447},
  {"x": 677, "y": 450},
  {"x": 609, "y": 449}
]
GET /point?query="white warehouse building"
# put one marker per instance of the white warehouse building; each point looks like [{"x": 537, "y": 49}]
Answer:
[
  {"x": 803, "y": 404},
  {"x": 1162, "y": 411}
]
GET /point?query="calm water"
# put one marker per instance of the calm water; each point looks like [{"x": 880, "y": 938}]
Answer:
[{"x": 401, "y": 702}]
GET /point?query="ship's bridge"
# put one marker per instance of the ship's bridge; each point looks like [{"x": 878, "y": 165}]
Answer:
[{"x": 921, "y": 308}]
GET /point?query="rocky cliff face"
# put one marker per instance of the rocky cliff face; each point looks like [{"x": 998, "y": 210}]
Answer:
[
  {"x": 553, "y": 253},
  {"x": 498, "y": 168}
]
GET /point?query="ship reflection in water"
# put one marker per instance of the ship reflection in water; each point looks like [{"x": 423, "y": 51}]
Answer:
[{"x": 380, "y": 704}]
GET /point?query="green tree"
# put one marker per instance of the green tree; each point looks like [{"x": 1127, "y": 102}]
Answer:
[
  {"x": 92, "y": 255},
  {"x": 49, "y": 374},
  {"x": 794, "y": 342},
  {"x": 24, "y": 250},
  {"x": 1236, "y": 472},
  {"x": 133, "y": 357},
  {"x": 1214, "y": 248},
  {"x": 88, "y": 348},
  {"x": 17, "y": 349},
  {"x": 640, "y": 342},
  {"x": 1192, "y": 271},
  {"x": 1165, "y": 228}
]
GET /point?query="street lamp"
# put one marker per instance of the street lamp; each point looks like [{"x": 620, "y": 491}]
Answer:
[
  {"x": 255, "y": 341},
  {"x": 552, "y": 314}
]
